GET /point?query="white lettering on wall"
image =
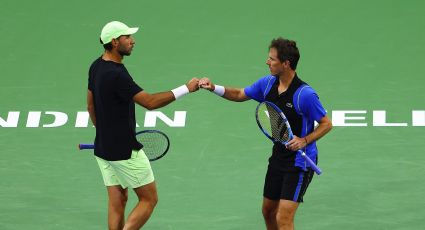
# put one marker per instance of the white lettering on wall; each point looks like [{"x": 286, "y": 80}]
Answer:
[
  {"x": 340, "y": 117},
  {"x": 82, "y": 120},
  {"x": 33, "y": 119},
  {"x": 60, "y": 119},
  {"x": 380, "y": 119},
  {"x": 179, "y": 119},
  {"x": 11, "y": 120},
  {"x": 418, "y": 118}
]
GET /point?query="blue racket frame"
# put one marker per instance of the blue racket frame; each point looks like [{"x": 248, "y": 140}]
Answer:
[
  {"x": 91, "y": 146},
  {"x": 291, "y": 135}
]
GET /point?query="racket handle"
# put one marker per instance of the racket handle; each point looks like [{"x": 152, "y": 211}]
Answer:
[
  {"x": 311, "y": 163},
  {"x": 85, "y": 146}
]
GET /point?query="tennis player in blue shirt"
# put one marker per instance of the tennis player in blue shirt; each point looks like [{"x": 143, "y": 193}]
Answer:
[{"x": 288, "y": 175}]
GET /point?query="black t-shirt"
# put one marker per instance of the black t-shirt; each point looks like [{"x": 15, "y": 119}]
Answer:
[
  {"x": 113, "y": 91},
  {"x": 282, "y": 158}
]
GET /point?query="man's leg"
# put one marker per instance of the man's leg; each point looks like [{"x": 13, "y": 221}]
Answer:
[
  {"x": 285, "y": 214},
  {"x": 148, "y": 199},
  {"x": 117, "y": 197},
  {"x": 269, "y": 209}
]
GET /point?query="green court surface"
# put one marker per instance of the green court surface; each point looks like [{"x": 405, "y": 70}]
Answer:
[{"x": 362, "y": 56}]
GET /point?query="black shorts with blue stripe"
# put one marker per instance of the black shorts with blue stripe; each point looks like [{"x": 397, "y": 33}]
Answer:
[{"x": 286, "y": 185}]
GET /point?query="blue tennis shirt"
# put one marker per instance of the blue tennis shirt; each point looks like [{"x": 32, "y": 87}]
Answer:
[{"x": 302, "y": 107}]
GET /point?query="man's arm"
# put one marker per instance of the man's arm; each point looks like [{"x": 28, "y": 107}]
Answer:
[
  {"x": 325, "y": 125},
  {"x": 90, "y": 107},
  {"x": 231, "y": 94},
  {"x": 158, "y": 100},
  {"x": 235, "y": 94},
  {"x": 153, "y": 101}
]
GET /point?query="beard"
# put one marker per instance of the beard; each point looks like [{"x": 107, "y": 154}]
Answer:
[{"x": 124, "y": 52}]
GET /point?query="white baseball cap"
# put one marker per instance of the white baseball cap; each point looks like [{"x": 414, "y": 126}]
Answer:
[{"x": 115, "y": 29}]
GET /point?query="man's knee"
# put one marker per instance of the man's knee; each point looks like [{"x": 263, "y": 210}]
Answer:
[
  {"x": 148, "y": 194},
  {"x": 285, "y": 215},
  {"x": 154, "y": 200},
  {"x": 117, "y": 198},
  {"x": 284, "y": 218},
  {"x": 269, "y": 212},
  {"x": 124, "y": 199}
]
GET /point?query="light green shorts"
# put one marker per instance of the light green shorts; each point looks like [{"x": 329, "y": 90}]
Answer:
[{"x": 134, "y": 172}]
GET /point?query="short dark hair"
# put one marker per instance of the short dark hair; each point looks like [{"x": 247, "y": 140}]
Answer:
[
  {"x": 286, "y": 50},
  {"x": 107, "y": 46}
]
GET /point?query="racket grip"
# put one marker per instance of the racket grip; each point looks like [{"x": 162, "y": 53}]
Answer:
[
  {"x": 85, "y": 146},
  {"x": 312, "y": 164}
]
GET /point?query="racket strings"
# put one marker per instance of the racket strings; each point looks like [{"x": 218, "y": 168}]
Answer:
[
  {"x": 279, "y": 128},
  {"x": 154, "y": 144}
]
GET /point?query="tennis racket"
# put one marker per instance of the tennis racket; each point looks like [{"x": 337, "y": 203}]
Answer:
[
  {"x": 155, "y": 144},
  {"x": 273, "y": 123}
]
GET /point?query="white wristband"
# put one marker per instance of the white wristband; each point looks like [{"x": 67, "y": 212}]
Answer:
[
  {"x": 219, "y": 90},
  {"x": 180, "y": 91}
]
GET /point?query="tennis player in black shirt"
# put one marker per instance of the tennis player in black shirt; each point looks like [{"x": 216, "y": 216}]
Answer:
[{"x": 111, "y": 99}]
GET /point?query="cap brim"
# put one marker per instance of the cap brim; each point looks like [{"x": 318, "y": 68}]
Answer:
[{"x": 132, "y": 30}]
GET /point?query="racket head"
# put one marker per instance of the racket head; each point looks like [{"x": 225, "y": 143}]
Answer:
[
  {"x": 273, "y": 122},
  {"x": 155, "y": 143}
]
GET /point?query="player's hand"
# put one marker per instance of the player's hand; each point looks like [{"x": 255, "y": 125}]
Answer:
[
  {"x": 296, "y": 143},
  {"x": 206, "y": 83},
  {"x": 193, "y": 84}
]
